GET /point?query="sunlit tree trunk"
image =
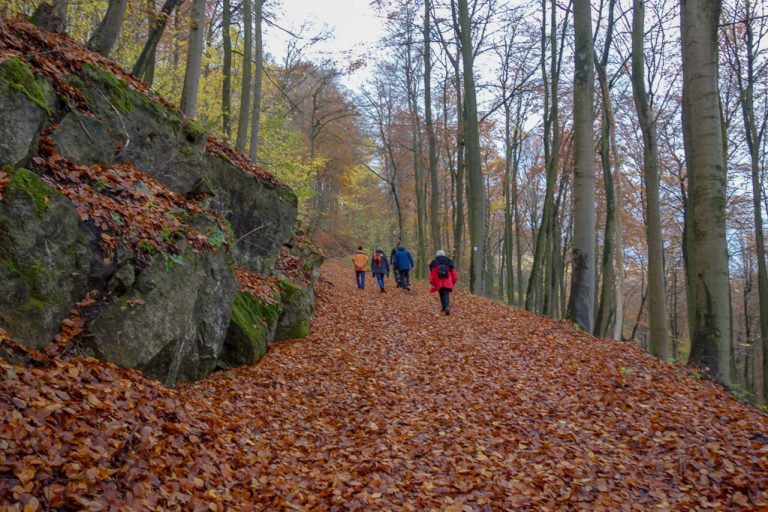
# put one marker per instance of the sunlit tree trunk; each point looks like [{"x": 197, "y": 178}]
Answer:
[
  {"x": 709, "y": 304},
  {"x": 582, "y": 299},
  {"x": 245, "y": 82},
  {"x": 105, "y": 36},
  {"x": 658, "y": 342},
  {"x": 194, "y": 58}
]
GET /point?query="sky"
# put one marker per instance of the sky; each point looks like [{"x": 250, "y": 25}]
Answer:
[{"x": 355, "y": 25}]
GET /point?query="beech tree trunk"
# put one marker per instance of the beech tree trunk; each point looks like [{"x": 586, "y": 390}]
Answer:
[
  {"x": 605, "y": 322},
  {"x": 477, "y": 227},
  {"x": 754, "y": 137},
  {"x": 245, "y": 82},
  {"x": 192, "y": 70},
  {"x": 709, "y": 303},
  {"x": 226, "y": 86},
  {"x": 582, "y": 299},
  {"x": 434, "y": 208},
  {"x": 258, "y": 71},
  {"x": 105, "y": 36},
  {"x": 658, "y": 341},
  {"x": 147, "y": 56}
]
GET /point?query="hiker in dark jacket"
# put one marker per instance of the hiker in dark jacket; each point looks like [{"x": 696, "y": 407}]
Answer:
[
  {"x": 395, "y": 270},
  {"x": 379, "y": 267},
  {"x": 403, "y": 262},
  {"x": 442, "y": 278}
]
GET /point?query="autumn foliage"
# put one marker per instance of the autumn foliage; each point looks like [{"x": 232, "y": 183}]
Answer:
[{"x": 387, "y": 406}]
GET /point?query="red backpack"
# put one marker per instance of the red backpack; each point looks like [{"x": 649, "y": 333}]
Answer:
[{"x": 377, "y": 259}]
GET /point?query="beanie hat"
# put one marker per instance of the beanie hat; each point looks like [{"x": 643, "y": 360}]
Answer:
[{"x": 440, "y": 253}]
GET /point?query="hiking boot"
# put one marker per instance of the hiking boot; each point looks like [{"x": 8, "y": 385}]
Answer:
[{"x": 447, "y": 311}]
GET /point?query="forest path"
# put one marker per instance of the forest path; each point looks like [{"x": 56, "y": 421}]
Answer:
[
  {"x": 390, "y": 405},
  {"x": 387, "y": 406}
]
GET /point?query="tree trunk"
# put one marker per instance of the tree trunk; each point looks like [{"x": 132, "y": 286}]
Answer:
[
  {"x": 194, "y": 58},
  {"x": 458, "y": 228},
  {"x": 606, "y": 312},
  {"x": 106, "y": 35},
  {"x": 257, "y": 72},
  {"x": 658, "y": 341},
  {"x": 245, "y": 82},
  {"x": 147, "y": 55},
  {"x": 477, "y": 227},
  {"x": 746, "y": 84},
  {"x": 605, "y": 322},
  {"x": 582, "y": 299},
  {"x": 226, "y": 86},
  {"x": 434, "y": 208},
  {"x": 421, "y": 250},
  {"x": 709, "y": 304}
]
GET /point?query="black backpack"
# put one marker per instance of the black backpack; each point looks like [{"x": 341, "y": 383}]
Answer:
[{"x": 442, "y": 270}]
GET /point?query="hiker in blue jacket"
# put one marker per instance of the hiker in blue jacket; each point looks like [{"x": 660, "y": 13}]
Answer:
[
  {"x": 403, "y": 262},
  {"x": 379, "y": 267}
]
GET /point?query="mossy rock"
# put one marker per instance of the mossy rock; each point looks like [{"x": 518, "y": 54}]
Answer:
[
  {"x": 298, "y": 303},
  {"x": 24, "y": 107},
  {"x": 44, "y": 259},
  {"x": 251, "y": 329},
  {"x": 24, "y": 181},
  {"x": 18, "y": 76}
]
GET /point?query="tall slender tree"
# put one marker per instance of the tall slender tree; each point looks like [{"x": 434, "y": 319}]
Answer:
[
  {"x": 742, "y": 53},
  {"x": 658, "y": 341},
  {"x": 258, "y": 58},
  {"x": 434, "y": 203},
  {"x": 226, "y": 71},
  {"x": 476, "y": 196},
  {"x": 582, "y": 298},
  {"x": 245, "y": 81}
]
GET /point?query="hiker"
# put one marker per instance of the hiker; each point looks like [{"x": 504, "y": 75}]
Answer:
[
  {"x": 380, "y": 267},
  {"x": 443, "y": 277},
  {"x": 361, "y": 266},
  {"x": 395, "y": 270},
  {"x": 403, "y": 262}
]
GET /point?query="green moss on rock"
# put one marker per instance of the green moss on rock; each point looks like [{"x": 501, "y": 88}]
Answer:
[
  {"x": 255, "y": 319},
  {"x": 19, "y": 77},
  {"x": 119, "y": 94},
  {"x": 24, "y": 181}
]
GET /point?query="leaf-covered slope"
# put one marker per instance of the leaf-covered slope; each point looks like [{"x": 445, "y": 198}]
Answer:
[
  {"x": 389, "y": 406},
  {"x": 58, "y": 57}
]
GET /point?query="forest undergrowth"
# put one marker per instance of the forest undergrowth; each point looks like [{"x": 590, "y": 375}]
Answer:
[{"x": 387, "y": 405}]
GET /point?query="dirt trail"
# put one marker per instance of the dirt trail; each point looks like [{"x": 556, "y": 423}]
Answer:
[{"x": 389, "y": 406}]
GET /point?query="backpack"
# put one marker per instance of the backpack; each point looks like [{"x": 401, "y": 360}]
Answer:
[
  {"x": 377, "y": 259},
  {"x": 442, "y": 271}
]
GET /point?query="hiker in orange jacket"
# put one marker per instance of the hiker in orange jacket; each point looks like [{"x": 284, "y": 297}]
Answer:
[{"x": 360, "y": 259}]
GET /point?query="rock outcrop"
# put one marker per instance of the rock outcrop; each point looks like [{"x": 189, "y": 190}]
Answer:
[{"x": 122, "y": 223}]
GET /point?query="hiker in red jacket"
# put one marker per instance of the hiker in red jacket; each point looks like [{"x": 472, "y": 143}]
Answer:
[{"x": 443, "y": 277}]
